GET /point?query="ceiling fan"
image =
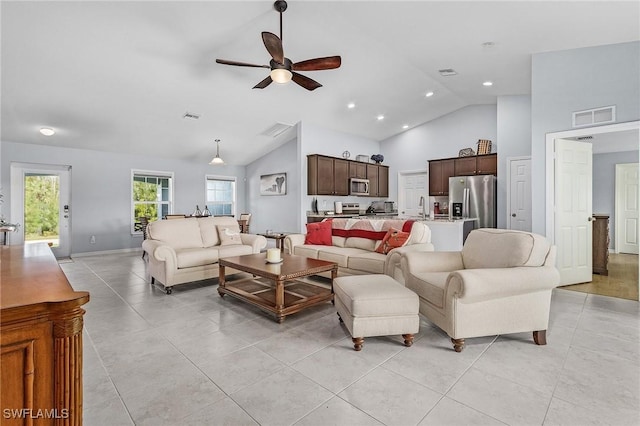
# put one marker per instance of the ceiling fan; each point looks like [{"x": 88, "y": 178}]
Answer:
[{"x": 283, "y": 69}]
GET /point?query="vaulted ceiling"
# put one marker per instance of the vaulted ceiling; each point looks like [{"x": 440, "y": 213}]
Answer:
[{"x": 119, "y": 76}]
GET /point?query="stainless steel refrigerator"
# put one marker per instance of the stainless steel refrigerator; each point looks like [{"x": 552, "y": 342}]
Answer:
[{"x": 474, "y": 197}]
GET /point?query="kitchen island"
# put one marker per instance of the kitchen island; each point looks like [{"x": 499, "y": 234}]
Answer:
[{"x": 449, "y": 235}]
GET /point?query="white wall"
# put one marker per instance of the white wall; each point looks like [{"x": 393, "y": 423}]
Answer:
[
  {"x": 443, "y": 137},
  {"x": 276, "y": 212},
  {"x": 572, "y": 80},
  {"x": 514, "y": 138},
  {"x": 101, "y": 189},
  {"x": 604, "y": 184}
]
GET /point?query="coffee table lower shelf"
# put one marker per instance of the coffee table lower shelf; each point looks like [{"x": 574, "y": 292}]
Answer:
[
  {"x": 278, "y": 289},
  {"x": 261, "y": 292}
]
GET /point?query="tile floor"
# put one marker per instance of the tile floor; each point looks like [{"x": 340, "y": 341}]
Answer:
[{"x": 193, "y": 358}]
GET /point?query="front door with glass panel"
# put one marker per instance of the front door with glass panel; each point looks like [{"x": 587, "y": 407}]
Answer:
[{"x": 41, "y": 205}]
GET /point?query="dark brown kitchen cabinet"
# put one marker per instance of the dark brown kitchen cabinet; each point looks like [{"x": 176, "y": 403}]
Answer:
[
  {"x": 439, "y": 173},
  {"x": 327, "y": 175},
  {"x": 465, "y": 166},
  {"x": 476, "y": 165},
  {"x": 372, "y": 175},
  {"x": 600, "y": 244},
  {"x": 383, "y": 181},
  {"x": 487, "y": 164},
  {"x": 357, "y": 170}
]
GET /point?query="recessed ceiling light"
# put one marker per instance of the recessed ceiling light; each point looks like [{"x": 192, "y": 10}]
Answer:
[
  {"x": 380, "y": 117},
  {"x": 487, "y": 83},
  {"x": 406, "y": 126},
  {"x": 429, "y": 94},
  {"x": 351, "y": 105},
  {"x": 47, "y": 131}
]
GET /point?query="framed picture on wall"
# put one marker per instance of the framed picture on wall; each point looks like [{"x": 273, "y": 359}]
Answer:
[{"x": 274, "y": 184}]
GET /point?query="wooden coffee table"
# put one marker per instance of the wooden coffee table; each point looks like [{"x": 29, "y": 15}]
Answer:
[{"x": 277, "y": 288}]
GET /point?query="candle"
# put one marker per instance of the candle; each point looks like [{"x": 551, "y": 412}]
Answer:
[{"x": 273, "y": 255}]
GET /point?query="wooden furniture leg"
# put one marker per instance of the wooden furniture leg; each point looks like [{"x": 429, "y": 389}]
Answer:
[
  {"x": 357, "y": 343},
  {"x": 280, "y": 300},
  {"x": 220, "y": 280},
  {"x": 540, "y": 337},
  {"x": 408, "y": 339},
  {"x": 458, "y": 344}
]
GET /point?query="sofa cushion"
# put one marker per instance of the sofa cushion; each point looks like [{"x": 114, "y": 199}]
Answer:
[
  {"x": 190, "y": 257},
  {"x": 394, "y": 239},
  {"x": 360, "y": 243},
  {"x": 209, "y": 228},
  {"x": 178, "y": 233},
  {"x": 229, "y": 236},
  {"x": 500, "y": 248},
  {"x": 307, "y": 250},
  {"x": 429, "y": 286},
  {"x": 234, "y": 250},
  {"x": 370, "y": 262},
  {"x": 375, "y": 296},
  {"x": 319, "y": 233},
  {"x": 339, "y": 255}
]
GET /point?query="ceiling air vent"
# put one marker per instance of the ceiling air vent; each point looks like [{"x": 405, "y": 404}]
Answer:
[
  {"x": 448, "y": 72},
  {"x": 276, "y": 130},
  {"x": 594, "y": 116},
  {"x": 191, "y": 115}
]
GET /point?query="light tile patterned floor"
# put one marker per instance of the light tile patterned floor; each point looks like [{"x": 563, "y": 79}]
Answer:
[{"x": 193, "y": 358}]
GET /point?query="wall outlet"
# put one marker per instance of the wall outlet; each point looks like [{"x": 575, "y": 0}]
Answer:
[{"x": 92, "y": 240}]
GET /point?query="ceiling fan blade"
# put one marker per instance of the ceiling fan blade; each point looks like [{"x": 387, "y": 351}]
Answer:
[
  {"x": 305, "y": 82},
  {"x": 264, "y": 83},
  {"x": 274, "y": 46},
  {"x": 240, "y": 64},
  {"x": 328, "y": 63}
]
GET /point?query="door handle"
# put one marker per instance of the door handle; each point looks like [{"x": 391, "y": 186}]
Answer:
[
  {"x": 591, "y": 219},
  {"x": 513, "y": 215}
]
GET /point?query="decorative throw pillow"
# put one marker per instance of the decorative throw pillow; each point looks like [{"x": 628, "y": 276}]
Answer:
[
  {"x": 393, "y": 239},
  {"x": 319, "y": 233},
  {"x": 228, "y": 236}
]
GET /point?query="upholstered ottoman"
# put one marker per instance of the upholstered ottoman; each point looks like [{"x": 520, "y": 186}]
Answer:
[{"x": 376, "y": 305}]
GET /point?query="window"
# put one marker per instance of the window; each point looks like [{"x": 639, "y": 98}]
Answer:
[
  {"x": 221, "y": 195},
  {"x": 152, "y": 196}
]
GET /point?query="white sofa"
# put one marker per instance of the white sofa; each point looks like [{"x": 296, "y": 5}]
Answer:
[
  {"x": 185, "y": 250},
  {"x": 499, "y": 283},
  {"x": 355, "y": 253}
]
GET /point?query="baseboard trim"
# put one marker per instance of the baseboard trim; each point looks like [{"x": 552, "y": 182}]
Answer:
[{"x": 98, "y": 253}]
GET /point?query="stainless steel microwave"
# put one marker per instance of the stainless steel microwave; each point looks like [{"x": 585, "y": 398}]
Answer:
[{"x": 358, "y": 186}]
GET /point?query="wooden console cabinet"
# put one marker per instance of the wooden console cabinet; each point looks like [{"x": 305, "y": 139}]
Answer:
[
  {"x": 41, "y": 322},
  {"x": 600, "y": 244}
]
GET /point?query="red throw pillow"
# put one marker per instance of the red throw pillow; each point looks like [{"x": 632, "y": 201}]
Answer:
[
  {"x": 319, "y": 233},
  {"x": 393, "y": 239}
]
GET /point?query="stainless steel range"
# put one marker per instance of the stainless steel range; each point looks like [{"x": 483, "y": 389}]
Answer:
[{"x": 350, "y": 209}]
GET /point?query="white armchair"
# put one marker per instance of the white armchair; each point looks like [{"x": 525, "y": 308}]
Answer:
[{"x": 499, "y": 283}]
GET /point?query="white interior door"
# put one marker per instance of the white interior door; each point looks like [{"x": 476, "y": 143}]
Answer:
[
  {"x": 57, "y": 180},
  {"x": 519, "y": 214},
  {"x": 573, "y": 205},
  {"x": 627, "y": 208},
  {"x": 412, "y": 186}
]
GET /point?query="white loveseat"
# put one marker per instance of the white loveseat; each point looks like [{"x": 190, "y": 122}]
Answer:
[
  {"x": 353, "y": 245},
  {"x": 185, "y": 250},
  {"x": 499, "y": 283}
]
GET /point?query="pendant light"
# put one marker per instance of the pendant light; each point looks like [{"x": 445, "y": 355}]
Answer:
[{"x": 217, "y": 161}]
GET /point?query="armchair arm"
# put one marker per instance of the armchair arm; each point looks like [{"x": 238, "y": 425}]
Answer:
[
  {"x": 393, "y": 257},
  {"x": 292, "y": 240},
  {"x": 476, "y": 285},
  {"x": 433, "y": 261},
  {"x": 257, "y": 242}
]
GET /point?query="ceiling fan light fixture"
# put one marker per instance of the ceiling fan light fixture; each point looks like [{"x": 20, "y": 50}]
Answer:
[
  {"x": 217, "y": 161},
  {"x": 281, "y": 75}
]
